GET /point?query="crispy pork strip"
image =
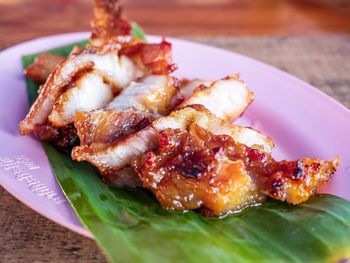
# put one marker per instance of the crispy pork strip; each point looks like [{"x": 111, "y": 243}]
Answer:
[
  {"x": 107, "y": 23},
  {"x": 98, "y": 130},
  {"x": 154, "y": 94},
  {"x": 118, "y": 71},
  {"x": 196, "y": 169},
  {"x": 119, "y": 154},
  {"x": 42, "y": 66},
  {"x": 233, "y": 94},
  {"x": 88, "y": 92}
]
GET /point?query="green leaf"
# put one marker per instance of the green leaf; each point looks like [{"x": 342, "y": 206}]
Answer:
[
  {"x": 137, "y": 31},
  {"x": 130, "y": 226}
]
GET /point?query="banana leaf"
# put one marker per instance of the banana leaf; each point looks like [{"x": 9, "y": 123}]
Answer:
[
  {"x": 130, "y": 226},
  {"x": 137, "y": 31}
]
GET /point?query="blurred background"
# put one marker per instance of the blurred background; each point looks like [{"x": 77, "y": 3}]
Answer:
[{"x": 26, "y": 19}]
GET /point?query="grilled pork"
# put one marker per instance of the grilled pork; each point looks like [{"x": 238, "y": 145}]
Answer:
[
  {"x": 105, "y": 62},
  {"x": 92, "y": 76},
  {"x": 118, "y": 92},
  {"x": 109, "y": 160},
  {"x": 196, "y": 169},
  {"x": 128, "y": 113},
  {"x": 42, "y": 66},
  {"x": 113, "y": 159},
  {"x": 235, "y": 96},
  {"x": 157, "y": 94}
]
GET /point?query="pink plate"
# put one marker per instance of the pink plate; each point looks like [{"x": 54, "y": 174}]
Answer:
[{"x": 302, "y": 120}]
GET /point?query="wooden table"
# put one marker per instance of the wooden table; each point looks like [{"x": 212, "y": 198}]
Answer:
[
  {"x": 26, "y": 19},
  {"x": 323, "y": 59}
]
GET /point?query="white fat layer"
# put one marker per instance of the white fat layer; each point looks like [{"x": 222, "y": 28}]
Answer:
[
  {"x": 118, "y": 157},
  {"x": 131, "y": 97},
  {"x": 187, "y": 89},
  {"x": 252, "y": 138},
  {"x": 224, "y": 98},
  {"x": 243, "y": 135},
  {"x": 120, "y": 70},
  {"x": 89, "y": 93}
]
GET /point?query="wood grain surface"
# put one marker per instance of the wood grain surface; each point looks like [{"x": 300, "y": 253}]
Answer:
[
  {"x": 27, "y": 19},
  {"x": 324, "y": 61}
]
